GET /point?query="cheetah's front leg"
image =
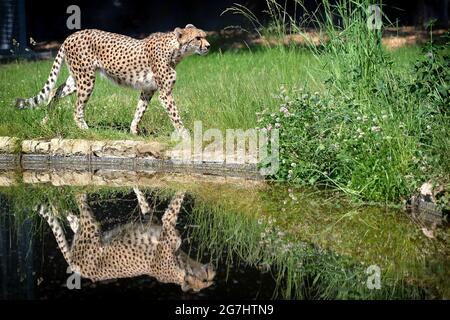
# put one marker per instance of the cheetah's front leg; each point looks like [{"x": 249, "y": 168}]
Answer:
[
  {"x": 166, "y": 80},
  {"x": 169, "y": 104},
  {"x": 169, "y": 220},
  {"x": 144, "y": 100},
  {"x": 85, "y": 80}
]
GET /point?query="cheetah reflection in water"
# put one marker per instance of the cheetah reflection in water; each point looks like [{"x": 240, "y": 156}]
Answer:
[{"x": 150, "y": 248}]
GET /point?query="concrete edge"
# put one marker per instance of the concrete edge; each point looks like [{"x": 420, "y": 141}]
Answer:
[{"x": 80, "y": 154}]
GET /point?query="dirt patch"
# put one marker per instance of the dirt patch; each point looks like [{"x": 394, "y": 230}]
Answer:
[
  {"x": 393, "y": 38},
  {"x": 237, "y": 38}
]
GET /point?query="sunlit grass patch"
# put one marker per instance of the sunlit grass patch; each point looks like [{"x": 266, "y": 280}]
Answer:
[{"x": 223, "y": 90}]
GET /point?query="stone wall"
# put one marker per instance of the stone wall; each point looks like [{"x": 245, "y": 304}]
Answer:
[
  {"x": 79, "y": 147},
  {"x": 131, "y": 155},
  {"x": 8, "y": 145}
]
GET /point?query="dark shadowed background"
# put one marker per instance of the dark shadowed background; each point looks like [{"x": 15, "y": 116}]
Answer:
[{"x": 45, "y": 20}]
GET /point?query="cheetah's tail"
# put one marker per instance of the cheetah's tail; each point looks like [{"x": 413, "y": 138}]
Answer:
[{"x": 44, "y": 94}]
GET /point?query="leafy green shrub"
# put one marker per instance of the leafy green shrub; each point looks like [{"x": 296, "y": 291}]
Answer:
[
  {"x": 375, "y": 131},
  {"x": 378, "y": 146},
  {"x": 433, "y": 74}
]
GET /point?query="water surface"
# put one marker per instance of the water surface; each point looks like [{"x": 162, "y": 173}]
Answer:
[{"x": 232, "y": 239}]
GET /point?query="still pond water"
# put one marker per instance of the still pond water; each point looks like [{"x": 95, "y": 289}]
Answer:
[{"x": 82, "y": 235}]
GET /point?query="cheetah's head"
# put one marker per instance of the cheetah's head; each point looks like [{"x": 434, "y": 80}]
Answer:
[
  {"x": 192, "y": 40},
  {"x": 197, "y": 276}
]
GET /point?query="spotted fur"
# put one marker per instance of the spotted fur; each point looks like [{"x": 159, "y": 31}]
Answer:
[
  {"x": 130, "y": 250},
  {"x": 147, "y": 65}
]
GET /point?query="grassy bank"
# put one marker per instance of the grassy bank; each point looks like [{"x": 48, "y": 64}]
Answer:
[
  {"x": 223, "y": 90},
  {"x": 375, "y": 131},
  {"x": 352, "y": 115}
]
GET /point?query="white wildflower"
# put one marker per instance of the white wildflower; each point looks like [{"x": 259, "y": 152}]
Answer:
[
  {"x": 375, "y": 129},
  {"x": 284, "y": 109}
]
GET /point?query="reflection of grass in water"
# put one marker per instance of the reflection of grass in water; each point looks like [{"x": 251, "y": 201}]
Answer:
[
  {"x": 229, "y": 218},
  {"x": 370, "y": 235},
  {"x": 300, "y": 269},
  {"x": 25, "y": 199}
]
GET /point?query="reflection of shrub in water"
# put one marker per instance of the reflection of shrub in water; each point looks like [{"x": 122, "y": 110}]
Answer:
[{"x": 301, "y": 270}]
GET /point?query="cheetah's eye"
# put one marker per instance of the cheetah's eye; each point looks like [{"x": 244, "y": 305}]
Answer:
[{"x": 197, "y": 38}]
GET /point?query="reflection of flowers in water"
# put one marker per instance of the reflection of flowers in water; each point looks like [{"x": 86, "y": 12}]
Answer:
[
  {"x": 264, "y": 267},
  {"x": 292, "y": 195},
  {"x": 273, "y": 237}
]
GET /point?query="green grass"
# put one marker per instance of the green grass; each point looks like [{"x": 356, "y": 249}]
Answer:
[
  {"x": 223, "y": 90},
  {"x": 378, "y": 129},
  {"x": 302, "y": 270},
  {"x": 359, "y": 129}
]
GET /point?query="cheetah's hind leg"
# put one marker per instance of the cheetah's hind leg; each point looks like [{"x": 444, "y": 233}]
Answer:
[
  {"x": 85, "y": 84},
  {"x": 73, "y": 222},
  {"x": 49, "y": 215},
  {"x": 64, "y": 90}
]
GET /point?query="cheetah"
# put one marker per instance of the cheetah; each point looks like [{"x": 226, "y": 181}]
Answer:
[
  {"x": 150, "y": 248},
  {"x": 147, "y": 65}
]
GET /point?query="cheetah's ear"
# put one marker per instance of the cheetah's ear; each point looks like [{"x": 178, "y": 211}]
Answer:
[
  {"x": 178, "y": 32},
  {"x": 185, "y": 287},
  {"x": 189, "y": 26}
]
